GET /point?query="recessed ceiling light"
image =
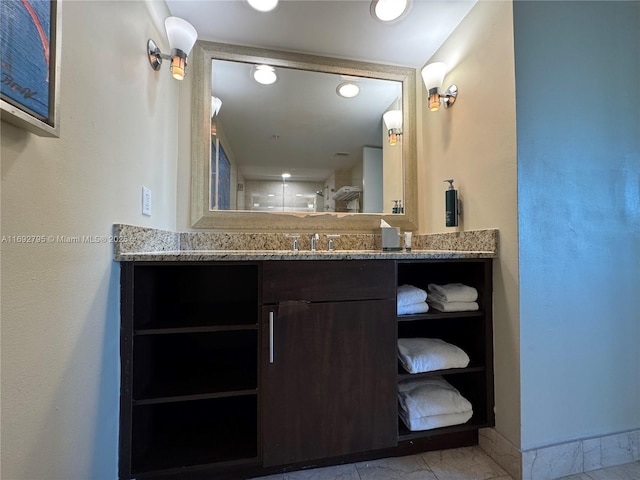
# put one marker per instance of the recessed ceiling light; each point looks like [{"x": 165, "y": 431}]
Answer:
[
  {"x": 286, "y": 175},
  {"x": 264, "y": 74},
  {"x": 263, "y": 5},
  {"x": 388, "y": 10},
  {"x": 348, "y": 89}
]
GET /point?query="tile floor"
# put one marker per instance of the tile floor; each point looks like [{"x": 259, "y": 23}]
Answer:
[
  {"x": 468, "y": 463},
  {"x": 629, "y": 471}
]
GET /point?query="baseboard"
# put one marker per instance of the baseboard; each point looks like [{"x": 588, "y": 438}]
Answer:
[{"x": 555, "y": 461}]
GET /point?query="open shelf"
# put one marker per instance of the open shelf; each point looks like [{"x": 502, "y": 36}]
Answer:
[
  {"x": 474, "y": 423},
  {"x": 181, "y": 434},
  {"x": 437, "y": 315},
  {"x": 195, "y": 363},
  {"x": 179, "y": 296}
]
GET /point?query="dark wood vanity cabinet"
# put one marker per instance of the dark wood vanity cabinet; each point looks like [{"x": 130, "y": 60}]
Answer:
[
  {"x": 237, "y": 369},
  {"x": 329, "y": 375}
]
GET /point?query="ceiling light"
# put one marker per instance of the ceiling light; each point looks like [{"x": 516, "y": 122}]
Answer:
[
  {"x": 182, "y": 36},
  {"x": 433, "y": 76},
  {"x": 263, "y": 5},
  {"x": 388, "y": 10},
  {"x": 348, "y": 89},
  {"x": 286, "y": 175},
  {"x": 264, "y": 74}
]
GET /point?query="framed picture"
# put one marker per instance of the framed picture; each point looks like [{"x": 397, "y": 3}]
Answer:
[{"x": 30, "y": 71}]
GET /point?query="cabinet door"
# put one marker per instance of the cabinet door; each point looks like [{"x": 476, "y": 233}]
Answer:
[{"x": 329, "y": 380}]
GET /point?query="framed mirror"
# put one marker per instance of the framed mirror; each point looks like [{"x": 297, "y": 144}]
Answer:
[{"x": 295, "y": 155}]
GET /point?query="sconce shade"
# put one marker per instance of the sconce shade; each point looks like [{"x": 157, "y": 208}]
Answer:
[
  {"x": 433, "y": 75},
  {"x": 216, "y": 104},
  {"x": 393, "y": 119},
  {"x": 181, "y": 34}
]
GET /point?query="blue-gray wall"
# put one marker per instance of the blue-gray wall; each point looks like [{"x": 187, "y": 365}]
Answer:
[{"x": 578, "y": 136}]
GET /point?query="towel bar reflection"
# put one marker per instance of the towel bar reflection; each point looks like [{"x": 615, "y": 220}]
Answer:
[{"x": 271, "y": 317}]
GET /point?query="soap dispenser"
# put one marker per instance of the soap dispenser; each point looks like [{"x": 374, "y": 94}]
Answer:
[{"x": 451, "y": 205}]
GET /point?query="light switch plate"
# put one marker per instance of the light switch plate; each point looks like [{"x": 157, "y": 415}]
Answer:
[{"x": 146, "y": 201}]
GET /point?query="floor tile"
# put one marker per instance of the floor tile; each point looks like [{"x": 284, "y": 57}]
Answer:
[
  {"x": 277, "y": 476},
  {"x": 338, "y": 472},
  {"x": 630, "y": 471},
  {"x": 412, "y": 467},
  {"x": 468, "y": 463},
  {"x": 577, "y": 476}
]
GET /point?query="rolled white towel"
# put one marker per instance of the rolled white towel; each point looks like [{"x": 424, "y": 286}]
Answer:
[
  {"x": 453, "y": 292},
  {"x": 413, "y": 309},
  {"x": 419, "y": 355},
  {"x": 408, "y": 295},
  {"x": 453, "y": 306}
]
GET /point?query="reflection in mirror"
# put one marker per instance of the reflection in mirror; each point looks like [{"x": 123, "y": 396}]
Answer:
[
  {"x": 335, "y": 149},
  {"x": 246, "y": 137}
]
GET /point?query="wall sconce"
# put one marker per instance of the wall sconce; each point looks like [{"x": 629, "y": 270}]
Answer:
[
  {"x": 393, "y": 122},
  {"x": 216, "y": 105},
  {"x": 181, "y": 36},
  {"x": 433, "y": 76}
]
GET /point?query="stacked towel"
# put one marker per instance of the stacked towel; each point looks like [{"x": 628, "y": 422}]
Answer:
[
  {"x": 411, "y": 300},
  {"x": 419, "y": 355},
  {"x": 453, "y": 297},
  {"x": 427, "y": 403}
]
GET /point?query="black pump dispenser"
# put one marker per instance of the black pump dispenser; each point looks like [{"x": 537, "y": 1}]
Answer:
[{"x": 451, "y": 205}]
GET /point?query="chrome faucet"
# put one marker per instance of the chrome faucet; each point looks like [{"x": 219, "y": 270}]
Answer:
[
  {"x": 314, "y": 238},
  {"x": 295, "y": 247},
  {"x": 330, "y": 238}
]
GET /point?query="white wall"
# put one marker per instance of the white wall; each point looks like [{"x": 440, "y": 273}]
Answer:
[
  {"x": 474, "y": 142},
  {"x": 60, "y": 302},
  {"x": 579, "y": 207},
  {"x": 372, "y": 195}
]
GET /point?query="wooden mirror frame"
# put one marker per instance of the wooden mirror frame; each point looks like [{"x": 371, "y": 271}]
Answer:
[{"x": 237, "y": 220}]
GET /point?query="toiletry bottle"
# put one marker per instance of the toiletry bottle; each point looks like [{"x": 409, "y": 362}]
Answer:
[{"x": 451, "y": 205}]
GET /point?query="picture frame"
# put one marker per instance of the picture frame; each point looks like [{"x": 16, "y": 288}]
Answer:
[{"x": 30, "y": 34}]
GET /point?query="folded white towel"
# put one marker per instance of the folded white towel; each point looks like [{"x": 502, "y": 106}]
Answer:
[
  {"x": 424, "y": 397},
  {"x": 453, "y": 306},
  {"x": 419, "y": 355},
  {"x": 434, "y": 421},
  {"x": 408, "y": 294},
  {"x": 413, "y": 309},
  {"x": 453, "y": 292}
]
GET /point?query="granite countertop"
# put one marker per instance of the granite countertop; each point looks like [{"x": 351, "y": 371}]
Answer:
[
  {"x": 255, "y": 255},
  {"x": 143, "y": 244}
]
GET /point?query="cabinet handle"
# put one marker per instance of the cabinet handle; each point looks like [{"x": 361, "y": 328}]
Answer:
[{"x": 271, "y": 319}]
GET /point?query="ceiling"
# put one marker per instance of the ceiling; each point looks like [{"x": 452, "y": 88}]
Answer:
[
  {"x": 335, "y": 28},
  {"x": 261, "y": 127}
]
